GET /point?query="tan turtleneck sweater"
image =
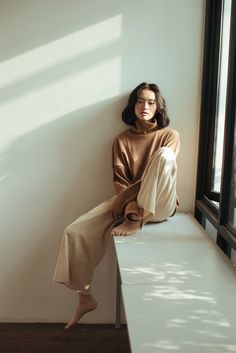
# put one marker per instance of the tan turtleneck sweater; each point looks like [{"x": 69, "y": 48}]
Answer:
[{"x": 133, "y": 148}]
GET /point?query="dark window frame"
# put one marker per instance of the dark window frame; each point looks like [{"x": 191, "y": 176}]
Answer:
[{"x": 204, "y": 207}]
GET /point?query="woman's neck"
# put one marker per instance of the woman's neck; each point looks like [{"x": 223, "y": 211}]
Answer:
[{"x": 145, "y": 125}]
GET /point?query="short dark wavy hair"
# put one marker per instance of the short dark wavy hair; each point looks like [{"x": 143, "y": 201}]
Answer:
[{"x": 161, "y": 116}]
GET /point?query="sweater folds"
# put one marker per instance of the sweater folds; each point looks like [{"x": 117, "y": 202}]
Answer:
[{"x": 133, "y": 149}]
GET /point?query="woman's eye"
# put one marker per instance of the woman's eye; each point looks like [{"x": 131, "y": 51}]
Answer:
[{"x": 140, "y": 101}]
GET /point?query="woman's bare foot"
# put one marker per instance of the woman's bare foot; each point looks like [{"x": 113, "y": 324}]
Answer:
[
  {"x": 86, "y": 303},
  {"x": 134, "y": 217},
  {"x": 126, "y": 228}
]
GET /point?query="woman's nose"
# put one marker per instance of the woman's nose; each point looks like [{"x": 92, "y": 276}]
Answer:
[{"x": 145, "y": 104}]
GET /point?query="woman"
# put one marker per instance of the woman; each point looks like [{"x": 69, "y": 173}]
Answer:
[{"x": 144, "y": 175}]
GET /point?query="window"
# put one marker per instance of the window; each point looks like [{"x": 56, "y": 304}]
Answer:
[
  {"x": 221, "y": 96},
  {"x": 216, "y": 180}
]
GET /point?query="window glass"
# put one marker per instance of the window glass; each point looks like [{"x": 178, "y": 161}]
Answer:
[
  {"x": 232, "y": 202},
  {"x": 221, "y": 96}
]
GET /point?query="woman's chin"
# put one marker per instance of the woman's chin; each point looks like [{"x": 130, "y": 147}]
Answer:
[{"x": 145, "y": 118}]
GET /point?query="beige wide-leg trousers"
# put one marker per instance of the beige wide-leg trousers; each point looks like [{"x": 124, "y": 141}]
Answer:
[{"x": 84, "y": 241}]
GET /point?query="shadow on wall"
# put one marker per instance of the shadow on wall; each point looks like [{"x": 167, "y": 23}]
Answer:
[
  {"x": 50, "y": 176},
  {"x": 60, "y": 110}
]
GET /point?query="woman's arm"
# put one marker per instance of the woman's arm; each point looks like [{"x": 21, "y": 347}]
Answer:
[
  {"x": 122, "y": 181},
  {"x": 121, "y": 173},
  {"x": 172, "y": 140}
]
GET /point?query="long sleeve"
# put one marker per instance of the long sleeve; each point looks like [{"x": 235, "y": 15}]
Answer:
[
  {"x": 121, "y": 173},
  {"x": 132, "y": 150},
  {"x": 172, "y": 140}
]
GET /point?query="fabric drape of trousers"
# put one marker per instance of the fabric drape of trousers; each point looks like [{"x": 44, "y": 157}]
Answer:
[{"x": 84, "y": 241}]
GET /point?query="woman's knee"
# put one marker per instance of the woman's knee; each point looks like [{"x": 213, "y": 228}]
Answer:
[
  {"x": 166, "y": 154},
  {"x": 164, "y": 157},
  {"x": 72, "y": 230}
]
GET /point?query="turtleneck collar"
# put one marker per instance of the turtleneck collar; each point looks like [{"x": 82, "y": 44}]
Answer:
[{"x": 144, "y": 126}]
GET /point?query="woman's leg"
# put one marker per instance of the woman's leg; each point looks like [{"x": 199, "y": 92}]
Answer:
[
  {"x": 83, "y": 245},
  {"x": 86, "y": 303},
  {"x": 157, "y": 195}
]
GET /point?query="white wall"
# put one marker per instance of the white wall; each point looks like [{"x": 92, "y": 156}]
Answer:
[{"x": 66, "y": 68}]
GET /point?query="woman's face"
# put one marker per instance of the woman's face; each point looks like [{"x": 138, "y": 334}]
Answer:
[{"x": 146, "y": 106}]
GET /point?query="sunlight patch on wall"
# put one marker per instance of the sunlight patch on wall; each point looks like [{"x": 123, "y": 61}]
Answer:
[
  {"x": 60, "y": 50},
  {"x": 32, "y": 102},
  {"x": 59, "y": 98}
]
